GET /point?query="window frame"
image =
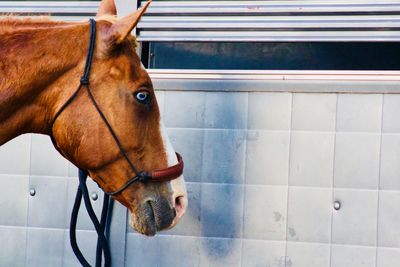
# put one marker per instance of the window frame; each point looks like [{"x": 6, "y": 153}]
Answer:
[{"x": 331, "y": 81}]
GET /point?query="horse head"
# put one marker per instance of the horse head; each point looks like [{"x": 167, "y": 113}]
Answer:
[{"x": 124, "y": 92}]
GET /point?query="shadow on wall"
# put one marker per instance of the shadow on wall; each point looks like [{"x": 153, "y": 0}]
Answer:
[
  {"x": 223, "y": 173},
  {"x": 209, "y": 129}
]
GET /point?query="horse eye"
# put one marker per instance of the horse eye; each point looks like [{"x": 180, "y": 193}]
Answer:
[{"x": 143, "y": 97}]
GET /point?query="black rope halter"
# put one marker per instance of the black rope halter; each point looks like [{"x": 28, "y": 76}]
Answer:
[
  {"x": 162, "y": 175},
  {"x": 84, "y": 83}
]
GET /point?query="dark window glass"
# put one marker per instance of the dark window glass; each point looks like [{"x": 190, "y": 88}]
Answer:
[{"x": 273, "y": 56}]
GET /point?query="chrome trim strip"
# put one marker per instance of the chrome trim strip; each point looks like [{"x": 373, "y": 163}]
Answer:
[
  {"x": 270, "y": 36},
  {"x": 278, "y": 81}
]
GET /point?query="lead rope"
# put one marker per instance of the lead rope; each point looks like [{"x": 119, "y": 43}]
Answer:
[
  {"x": 101, "y": 227},
  {"x": 102, "y": 243},
  {"x": 105, "y": 220}
]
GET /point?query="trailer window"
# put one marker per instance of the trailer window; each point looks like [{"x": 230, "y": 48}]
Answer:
[{"x": 272, "y": 56}]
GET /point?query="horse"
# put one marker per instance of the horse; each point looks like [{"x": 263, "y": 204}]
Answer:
[{"x": 41, "y": 64}]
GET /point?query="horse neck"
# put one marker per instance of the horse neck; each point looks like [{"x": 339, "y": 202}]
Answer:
[{"x": 33, "y": 60}]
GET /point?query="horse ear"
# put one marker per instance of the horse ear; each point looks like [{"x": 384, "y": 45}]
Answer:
[
  {"x": 123, "y": 27},
  {"x": 107, "y": 7}
]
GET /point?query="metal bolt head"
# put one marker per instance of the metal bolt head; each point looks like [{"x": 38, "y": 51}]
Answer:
[
  {"x": 32, "y": 191},
  {"x": 337, "y": 205},
  {"x": 94, "y": 196}
]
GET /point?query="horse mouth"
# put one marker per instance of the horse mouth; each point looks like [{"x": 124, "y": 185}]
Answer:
[{"x": 152, "y": 216}]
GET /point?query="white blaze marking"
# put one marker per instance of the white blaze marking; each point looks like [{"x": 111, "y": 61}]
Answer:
[
  {"x": 177, "y": 185},
  {"x": 171, "y": 157}
]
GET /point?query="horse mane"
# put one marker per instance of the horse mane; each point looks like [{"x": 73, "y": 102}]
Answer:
[{"x": 12, "y": 22}]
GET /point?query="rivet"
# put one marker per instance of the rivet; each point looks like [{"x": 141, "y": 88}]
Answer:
[
  {"x": 336, "y": 205},
  {"x": 94, "y": 196},
  {"x": 32, "y": 191}
]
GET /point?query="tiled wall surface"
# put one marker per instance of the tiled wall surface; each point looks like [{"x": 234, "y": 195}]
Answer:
[{"x": 263, "y": 171}]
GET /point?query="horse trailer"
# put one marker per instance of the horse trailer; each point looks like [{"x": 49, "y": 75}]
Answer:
[{"x": 287, "y": 114}]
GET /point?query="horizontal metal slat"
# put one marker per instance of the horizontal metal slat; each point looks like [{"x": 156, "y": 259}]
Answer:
[
  {"x": 270, "y": 36},
  {"x": 260, "y": 7},
  {"x": 268, "y": 22},
  {"x": 53, "y": 7}
]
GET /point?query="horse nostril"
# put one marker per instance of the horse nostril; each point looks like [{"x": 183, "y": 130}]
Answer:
[
  {"x": 160, "y": 212},
  {"x": 178, "y": 201},
  {"x": 180, "y": 206}
]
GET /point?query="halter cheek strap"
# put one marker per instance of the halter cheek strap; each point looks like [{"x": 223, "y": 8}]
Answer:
[{"x": 162, "y": 175}]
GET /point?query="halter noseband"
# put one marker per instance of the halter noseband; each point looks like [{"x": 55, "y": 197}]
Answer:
[{"x": 162, "y": 175}]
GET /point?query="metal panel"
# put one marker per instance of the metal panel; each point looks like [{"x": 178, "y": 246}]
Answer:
[
  {"x": 42, "y": 212},
  {"x": 271, "y": 21},
  {"x": 44, "y": 247},
  {"x": 14, "y": 199},
  {"x": 13, "y": 251}
]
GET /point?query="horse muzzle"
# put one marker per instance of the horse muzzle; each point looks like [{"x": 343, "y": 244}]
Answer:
[{"x": 152, "y": 216}]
